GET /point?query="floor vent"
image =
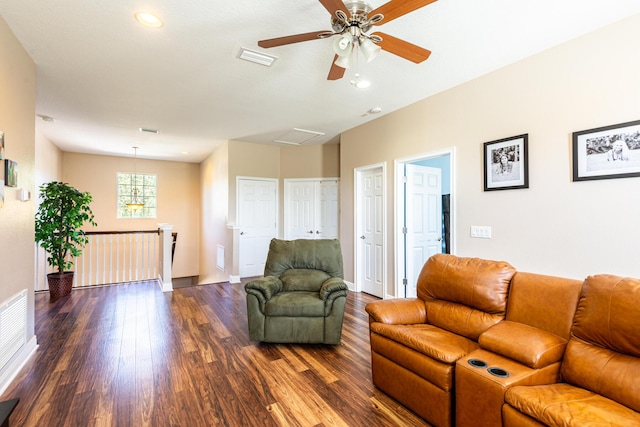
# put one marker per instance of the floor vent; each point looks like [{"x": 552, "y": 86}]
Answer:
[{"x": 13, "y": 326}]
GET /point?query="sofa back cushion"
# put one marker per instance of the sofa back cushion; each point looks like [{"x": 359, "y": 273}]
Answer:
[
  {"x": 298, "y": 279},
  {"x": 544, "y": 302},
  {"x": 321, "y": 254},
  {"x": 464, "y": 295},
  {"x": 603, "y": 354}
]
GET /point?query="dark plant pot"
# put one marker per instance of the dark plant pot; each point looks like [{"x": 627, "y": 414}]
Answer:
[{"x": 60, "y": 284}]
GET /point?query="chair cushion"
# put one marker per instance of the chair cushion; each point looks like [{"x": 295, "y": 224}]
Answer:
[
  {"x": 429, "y": 340},
  {"x": 465, "y": 296},
  {"x": 321, "y": 254},
  {"x": 303, "y": 280},
  {"x": 566, "y": 405},
  {"x": 295, "y": 304}
]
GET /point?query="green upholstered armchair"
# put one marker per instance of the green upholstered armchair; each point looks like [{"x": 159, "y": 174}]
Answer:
[{"x": 302, "y": 295}]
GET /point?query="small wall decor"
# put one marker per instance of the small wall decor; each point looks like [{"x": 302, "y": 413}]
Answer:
[
  {"x": 1, "y": 193},
  {"x": 506, "y": 163},
  {"x": 10, "y": 173},
  {"x": 1, "y": 145},
  {"x": 607, "y": 152}
]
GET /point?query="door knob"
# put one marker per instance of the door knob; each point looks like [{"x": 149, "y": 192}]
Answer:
[
  {"x": 439, "y": 239},
  {"x": 242, "y": 233},
  {"x": 317, "y": 231},
  {"x": 362, "y": 237},
  {"x": 310, "y": 231}
]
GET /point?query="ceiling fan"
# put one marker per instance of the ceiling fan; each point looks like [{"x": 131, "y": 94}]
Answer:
[{"x": 351, "y": 21}]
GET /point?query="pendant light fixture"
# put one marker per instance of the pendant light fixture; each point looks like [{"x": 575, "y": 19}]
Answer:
[{"x": 135, "y": 204}]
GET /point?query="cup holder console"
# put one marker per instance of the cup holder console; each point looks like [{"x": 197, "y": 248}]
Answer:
[
  {"x": 498, "y": 372},
  {"x": 477, "y": 363}
]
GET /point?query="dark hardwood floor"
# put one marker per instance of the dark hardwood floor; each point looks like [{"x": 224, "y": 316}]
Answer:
[{"x": 130, "y": 355}]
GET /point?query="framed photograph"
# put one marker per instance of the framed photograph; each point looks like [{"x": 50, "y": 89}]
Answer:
[
  {"x": 506, "y": 163},
  {"x": 1, "y": 145},
  {"x": 607, "y": 152},
  {"x": 10, "y": 173}
]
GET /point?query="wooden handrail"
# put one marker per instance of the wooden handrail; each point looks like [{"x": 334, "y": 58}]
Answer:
[{"x": 91, "y": 233}]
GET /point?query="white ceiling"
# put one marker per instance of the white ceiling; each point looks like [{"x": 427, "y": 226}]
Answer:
[{"x": 102, "y": 76}]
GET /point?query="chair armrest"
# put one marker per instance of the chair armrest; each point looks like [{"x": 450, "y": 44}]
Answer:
[
  {"x": 398, "y": 311},
  {"x": 332, "y": 288},
  {"x": 533, "y": 347},
  {"x": 264, "y": 288}
]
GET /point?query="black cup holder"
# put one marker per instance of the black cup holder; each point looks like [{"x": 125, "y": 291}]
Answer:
[
  {"x": 477, "y": 363},
  {"x": 498, "y": 372}
]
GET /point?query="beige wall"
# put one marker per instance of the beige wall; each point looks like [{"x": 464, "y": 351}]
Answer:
[
  {"x": 48, "y": 162},
  {"x": 214, "y": 184},
  {"x": 556, "y": 226},
  {"x": 218, "y": 175},
  {"x": 17, "y": 118},
  {"x": 178, "y": 199}
]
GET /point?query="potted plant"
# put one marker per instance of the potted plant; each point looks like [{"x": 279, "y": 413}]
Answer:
[{"x": 59, "y": 220}]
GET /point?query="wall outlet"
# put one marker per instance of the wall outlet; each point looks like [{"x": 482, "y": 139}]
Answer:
[{"x": 481, "y": 231}]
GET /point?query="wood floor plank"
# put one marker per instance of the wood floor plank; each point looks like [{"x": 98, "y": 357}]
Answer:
[{"x": 130, "y": 355}]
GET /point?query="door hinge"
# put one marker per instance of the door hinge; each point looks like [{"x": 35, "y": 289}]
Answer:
[
  {"x": 405, "y": 282},
  {"x": 404, "y": 179},
  {"x": 404, "y": 230}
]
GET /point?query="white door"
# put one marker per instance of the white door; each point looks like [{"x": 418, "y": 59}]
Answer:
[
  {"x": 300, "y": 221},
  {"x": 370, "y": 232},
  {"x": 328, "y": 216},
  {"x": 311, "y": 209},
  {"x": 423, "y": 210},
  {"x": 257, "y": 217}
]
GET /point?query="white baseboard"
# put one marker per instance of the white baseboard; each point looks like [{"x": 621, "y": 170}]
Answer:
[
  {"x": 234, "y": 279},
  {"x": 165, "y": 286},
  {"x": 351, "y": 286},
  {"x": 17, "y": 362}
]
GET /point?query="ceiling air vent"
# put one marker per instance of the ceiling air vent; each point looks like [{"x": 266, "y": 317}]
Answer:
[
  {"x": 297, "y": 136},
  {"x": 256, "y": 57}
]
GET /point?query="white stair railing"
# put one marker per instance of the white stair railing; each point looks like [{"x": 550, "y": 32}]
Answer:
[{"x": 115, "y": 257}]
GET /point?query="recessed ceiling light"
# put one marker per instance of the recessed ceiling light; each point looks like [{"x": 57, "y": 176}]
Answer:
[
  {"x": 375, "y": 110},
  {"x": 148, "y": 19},
  {"x": 46, "y": 118}
]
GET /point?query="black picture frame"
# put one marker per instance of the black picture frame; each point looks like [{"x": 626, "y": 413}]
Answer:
[
  {"x": 607, "y": 152},
  {"x": 506, "y": 163}
]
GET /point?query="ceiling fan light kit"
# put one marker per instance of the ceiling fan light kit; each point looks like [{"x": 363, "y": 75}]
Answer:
[{"x": 351, "y": 22}]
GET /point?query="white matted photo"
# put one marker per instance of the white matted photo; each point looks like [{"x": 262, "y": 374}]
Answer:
[
  {"x": 607, "y": 152},
  {"x": 506, "y": 163}
]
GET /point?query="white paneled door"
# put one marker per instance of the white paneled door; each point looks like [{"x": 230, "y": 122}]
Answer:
[
  {"x": 257, "y": 217},
  {"x": 370, "y": 253},
  {"x": 423, "y": 212},
  {"x": 311, "y": 209}
]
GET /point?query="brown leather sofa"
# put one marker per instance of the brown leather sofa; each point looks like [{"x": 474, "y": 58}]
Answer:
[{"x": 455, "y": 360}]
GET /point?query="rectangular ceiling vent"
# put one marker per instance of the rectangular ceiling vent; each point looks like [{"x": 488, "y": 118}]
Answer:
[
  {"x": 256, "y": 57},
  {"x": 297, "y": 136}
]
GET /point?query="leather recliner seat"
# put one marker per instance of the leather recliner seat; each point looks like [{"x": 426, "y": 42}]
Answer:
[{"x": 415, "y": 343}]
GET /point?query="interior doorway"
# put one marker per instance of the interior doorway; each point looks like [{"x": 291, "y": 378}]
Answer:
[
  {"x": 424, "y": 214},
  {"x": 257, "y": 211},
  {"x": 370, "y": 219}
]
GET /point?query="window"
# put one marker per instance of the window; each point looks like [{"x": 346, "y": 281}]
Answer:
[{"x": 145, "y": 185}]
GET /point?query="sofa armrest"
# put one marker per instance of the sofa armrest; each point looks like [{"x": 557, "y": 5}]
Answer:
[
  {"x": 264, "y": 288},
  {"x": 398, "y": 311},
  {"x": 533, "y": 347},
  {"x": 332, "y": 288}
]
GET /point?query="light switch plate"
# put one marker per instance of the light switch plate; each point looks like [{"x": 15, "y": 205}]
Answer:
[{"x": 481, "y": 231}]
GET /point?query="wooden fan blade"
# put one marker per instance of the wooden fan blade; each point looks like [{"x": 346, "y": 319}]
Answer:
[
  {"x": 280, "y": 41},
  {"x": 402, "y": 48},
  {"x": 333, "y": 5},
  {"x": 396, "y": 8},
  {"x": 335, "y": 73}
]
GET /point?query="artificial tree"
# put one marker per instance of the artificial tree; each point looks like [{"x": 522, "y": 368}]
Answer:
[{"x": 62, "y": 213}]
